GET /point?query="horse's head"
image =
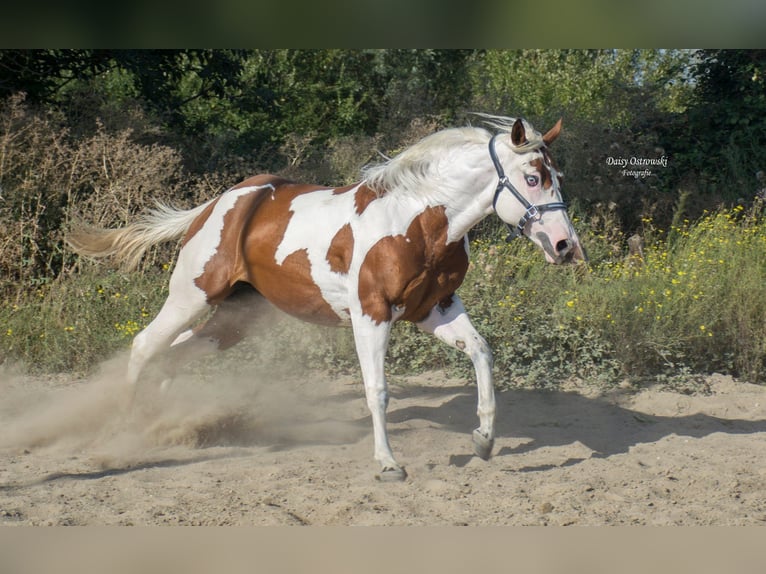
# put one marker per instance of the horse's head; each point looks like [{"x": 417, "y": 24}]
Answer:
[{"x": 528, "y": 195}]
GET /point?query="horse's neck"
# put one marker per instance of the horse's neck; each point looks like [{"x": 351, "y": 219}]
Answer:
[{"x": 471, "y": 198}]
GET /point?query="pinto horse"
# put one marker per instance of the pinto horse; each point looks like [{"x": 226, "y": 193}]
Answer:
[{"x": 393, "y": 247}]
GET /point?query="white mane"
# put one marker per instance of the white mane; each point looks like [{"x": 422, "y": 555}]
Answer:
[
  {"x": 413, "y": 169},
  {"x": 415, "y": 166}
]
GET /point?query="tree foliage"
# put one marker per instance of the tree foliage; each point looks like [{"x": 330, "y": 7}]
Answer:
[
  {"x": 705, "y": 109},
  {"x": 98, "y": 135}
]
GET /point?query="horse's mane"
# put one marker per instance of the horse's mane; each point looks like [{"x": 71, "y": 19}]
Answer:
[{"x": 412, "y": 169}]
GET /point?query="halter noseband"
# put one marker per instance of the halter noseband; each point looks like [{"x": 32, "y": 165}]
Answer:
[{"x": 532, "y": 211}]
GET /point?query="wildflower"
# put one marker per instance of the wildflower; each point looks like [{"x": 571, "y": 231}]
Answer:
[{"x": 570, "y": 303}]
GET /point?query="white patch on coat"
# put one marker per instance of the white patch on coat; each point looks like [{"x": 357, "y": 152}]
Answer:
[{"x": 316, "y": 219}]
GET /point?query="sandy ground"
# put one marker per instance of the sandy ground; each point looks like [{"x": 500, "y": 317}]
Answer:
[{"x": 274, "y": 450}]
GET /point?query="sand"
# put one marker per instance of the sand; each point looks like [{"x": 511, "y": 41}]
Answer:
[{"x": 265, "y": 449}]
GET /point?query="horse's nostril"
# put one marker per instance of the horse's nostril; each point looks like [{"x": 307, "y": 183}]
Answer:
[{"x": 562, "y": 246}]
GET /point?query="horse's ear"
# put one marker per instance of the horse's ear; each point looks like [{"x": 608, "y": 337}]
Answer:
[
  {"x": 552, "y": 133},
  {"x": 518, "y": 135}
]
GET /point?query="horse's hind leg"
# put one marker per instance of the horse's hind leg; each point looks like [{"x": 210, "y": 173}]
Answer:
[
  {"x": 177, "y": 313},
  {"x": 450, "y": 323},
  {"x": 229, "y": 324}
]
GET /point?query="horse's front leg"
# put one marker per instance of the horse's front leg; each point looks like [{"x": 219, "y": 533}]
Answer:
[
  {"x": 371, "y": 343},
  {"x": 449, "y": 322}
]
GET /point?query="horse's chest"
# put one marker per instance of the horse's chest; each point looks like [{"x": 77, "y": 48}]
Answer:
[{"x": 413, "y": 271}]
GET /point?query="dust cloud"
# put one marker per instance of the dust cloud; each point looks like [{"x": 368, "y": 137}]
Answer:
[{"x": 117, "y": 427}]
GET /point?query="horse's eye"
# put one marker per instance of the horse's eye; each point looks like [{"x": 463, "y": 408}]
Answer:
[{"x": 532, "y": 180}]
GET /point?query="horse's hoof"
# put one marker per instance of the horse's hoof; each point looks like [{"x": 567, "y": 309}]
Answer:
[
  {"x": 396, "y": 474},
  {"x": 482, "y": 446}
]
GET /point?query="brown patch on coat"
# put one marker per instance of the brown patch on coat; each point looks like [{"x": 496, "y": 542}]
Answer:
[
  {"x": 545, "y": 173},
  {"x": 363, "y": 197},
  {"x": 341, "y": 249},
  {"x": 252, "y": 230},
  {"x": 197, "y": 224},
  {"x": 296, "y": 293},
  {"x": 289, "y": 285},
  {"x": 414, "y": 271},
  {"x": 224, "y": 269}
]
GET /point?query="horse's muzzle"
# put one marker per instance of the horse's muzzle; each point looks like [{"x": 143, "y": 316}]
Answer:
[{"x": 568, "y": 251}]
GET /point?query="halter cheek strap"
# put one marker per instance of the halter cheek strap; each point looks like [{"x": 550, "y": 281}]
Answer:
[{"x": 532, "y": 211}]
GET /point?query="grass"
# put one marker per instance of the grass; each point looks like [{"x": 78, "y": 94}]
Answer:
[
  {"x": 71, "y": 324},
  {"x": 695, "y": 302}
]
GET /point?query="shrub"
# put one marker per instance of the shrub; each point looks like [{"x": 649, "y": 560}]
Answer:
[
  {"x": 72, "y": 324},
  {"x": 694, "y": 302}
]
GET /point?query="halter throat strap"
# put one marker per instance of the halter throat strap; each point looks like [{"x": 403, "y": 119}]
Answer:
[{"x": 532, "y": 211}]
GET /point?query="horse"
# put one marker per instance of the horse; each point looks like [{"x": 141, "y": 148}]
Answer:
[{"x": 392, "y": 247}]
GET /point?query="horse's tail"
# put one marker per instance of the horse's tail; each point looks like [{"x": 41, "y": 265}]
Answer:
[{"x": 128, "y": 244}]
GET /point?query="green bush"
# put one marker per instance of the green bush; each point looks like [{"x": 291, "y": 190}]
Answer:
[
  {"x": 73, "y": 324},
  {"x": 693, "y": 302}
]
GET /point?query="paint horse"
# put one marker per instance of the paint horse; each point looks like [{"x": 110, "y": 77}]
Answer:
[{"x": 393, "y": 247}]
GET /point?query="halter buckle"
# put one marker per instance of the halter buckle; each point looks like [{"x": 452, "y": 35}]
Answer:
[{"x": 531, "y": 213}]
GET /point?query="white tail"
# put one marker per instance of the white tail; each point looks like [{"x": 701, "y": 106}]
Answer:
[{"x": 128, "y": 244}]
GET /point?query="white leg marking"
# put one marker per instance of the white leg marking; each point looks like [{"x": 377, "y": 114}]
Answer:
[
  {"x": 186, "y": 302},
  {"x": 453, "y": 326},
  {"x": 174, "y": 316},
  {"x": 371, "y": 343}
]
